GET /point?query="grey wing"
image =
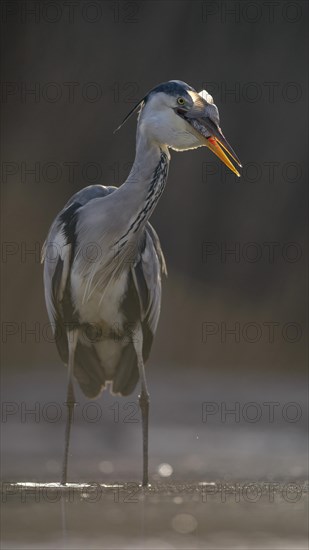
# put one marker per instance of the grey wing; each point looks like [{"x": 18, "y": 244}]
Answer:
[
  {"x": 57, "y": 256},
  {"x": 142, "y": 303},
  {"x": 147, "y": 278}
]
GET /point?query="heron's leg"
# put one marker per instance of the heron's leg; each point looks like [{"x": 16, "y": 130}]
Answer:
[
  {"x": 70, "y": 402},
  {"x": 143, "y": 400}
]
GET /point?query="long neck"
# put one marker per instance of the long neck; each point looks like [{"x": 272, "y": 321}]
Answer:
[{"x": 144, "y": 185}]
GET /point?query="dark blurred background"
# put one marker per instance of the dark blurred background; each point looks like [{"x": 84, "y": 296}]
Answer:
[
  {"x": 235, "y": 248},
  {"x": 70, "y": 75}
]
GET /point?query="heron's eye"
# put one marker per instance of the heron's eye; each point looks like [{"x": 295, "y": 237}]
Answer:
[{"x": 180, "y": 101}]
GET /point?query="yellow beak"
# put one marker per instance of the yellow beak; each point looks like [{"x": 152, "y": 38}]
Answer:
[
  {"x": 217, "y": 147},
  {"x": 204, "y": 120}
]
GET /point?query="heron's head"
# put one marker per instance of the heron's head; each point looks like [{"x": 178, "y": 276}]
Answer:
[{"x": 175, "y": 115}]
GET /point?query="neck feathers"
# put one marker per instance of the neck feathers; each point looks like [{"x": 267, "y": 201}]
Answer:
[{"x": 154, "y": 189}]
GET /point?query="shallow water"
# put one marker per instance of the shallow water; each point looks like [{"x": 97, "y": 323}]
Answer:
[
  {"x": 220, "y": 484},
  {"x": 163, "y": 516}
]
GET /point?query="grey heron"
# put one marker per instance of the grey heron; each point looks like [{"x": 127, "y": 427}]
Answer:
[{"x": 92, "y": 299}]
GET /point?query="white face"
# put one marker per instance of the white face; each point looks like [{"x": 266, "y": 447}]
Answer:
[
  {"x": 185, "y": 122},
  {"x": 163, "y": 125}
]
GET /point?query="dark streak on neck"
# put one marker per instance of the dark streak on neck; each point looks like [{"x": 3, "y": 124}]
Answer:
[{"x": 155, "y": 191}]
